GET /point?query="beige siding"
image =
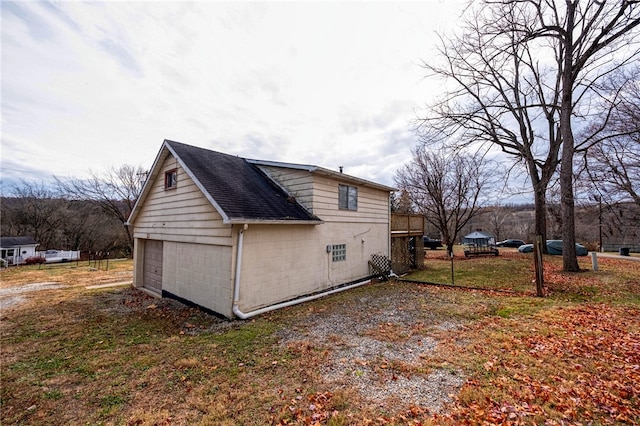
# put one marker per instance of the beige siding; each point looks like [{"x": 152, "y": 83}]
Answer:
[
  {"x": 373, "y": 204},
  {"x": 283, "y": 262},
  {"x": 279, "y": 262},
  {"x": 298, "y": 183},
  {"x": 182, "y": 214},
  {"x": 319, "y": 195}
]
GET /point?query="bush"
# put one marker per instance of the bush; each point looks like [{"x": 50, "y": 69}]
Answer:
[
  {"x": 591, "y": 245},
  {"x": 34, "y": 260}
]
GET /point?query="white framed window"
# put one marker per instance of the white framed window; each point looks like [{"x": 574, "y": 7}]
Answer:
[
  {"x": 171, "y": 179},
  {"x": 347, "y": 197},
  {"x": 339, "y": 252}
]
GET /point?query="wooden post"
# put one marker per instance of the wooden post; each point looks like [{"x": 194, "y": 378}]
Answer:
[
  {"x": 537, "y": 253},
  {"x": 452, "y": 280}
]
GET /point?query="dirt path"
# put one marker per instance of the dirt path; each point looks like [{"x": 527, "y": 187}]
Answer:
[{"x": 15, "y": 295}]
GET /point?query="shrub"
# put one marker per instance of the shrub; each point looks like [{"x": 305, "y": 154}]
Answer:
[
  {"x": 34, "y": 260},
  {"x": 591, "y": 245}
]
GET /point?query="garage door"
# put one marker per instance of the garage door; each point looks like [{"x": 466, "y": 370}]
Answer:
[{"x": 153, "y": 266}]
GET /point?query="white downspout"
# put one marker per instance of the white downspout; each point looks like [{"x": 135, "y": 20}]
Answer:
[
  {"x": 236, "y": 288},
  {"x": 236, "y": 282}
]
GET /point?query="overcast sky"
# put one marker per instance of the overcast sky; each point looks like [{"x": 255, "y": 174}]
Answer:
[{"x": 89, "y": 85}]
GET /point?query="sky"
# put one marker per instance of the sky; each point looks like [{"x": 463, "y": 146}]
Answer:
[{"x": 91, "y": 85}]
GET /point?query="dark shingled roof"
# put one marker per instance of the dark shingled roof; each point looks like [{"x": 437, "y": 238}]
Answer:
[
  {"x": 8, "y": 242},
  {"x": 239, "y": 188}
]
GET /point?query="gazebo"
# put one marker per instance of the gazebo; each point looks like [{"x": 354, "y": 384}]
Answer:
[{"x": 479, "y": 243}]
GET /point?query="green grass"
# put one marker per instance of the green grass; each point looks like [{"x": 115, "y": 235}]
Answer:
[
  {"x": 512, "y": 273},
  {"x": 116, "y": 356}
]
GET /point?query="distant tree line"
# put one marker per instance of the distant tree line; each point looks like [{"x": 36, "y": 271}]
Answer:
[
  {"x": 617, "y": 224},
  {"x": 75, "y": 214}
]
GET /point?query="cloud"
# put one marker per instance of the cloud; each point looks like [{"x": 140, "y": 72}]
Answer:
[{"x": 88, "y": 85}]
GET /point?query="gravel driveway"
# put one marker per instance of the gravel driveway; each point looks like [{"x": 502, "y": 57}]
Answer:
[{"x": 369, "y": 355}]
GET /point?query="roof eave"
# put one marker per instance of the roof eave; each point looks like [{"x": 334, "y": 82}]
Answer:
[
  {"x": 255, "y": 221},
  {"x": 323, "y": 172}
]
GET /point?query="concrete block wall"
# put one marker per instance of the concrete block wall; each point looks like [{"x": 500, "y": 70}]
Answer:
[
  {"x": 200, "y": 273},
  {"x": 283, "y": 262}
]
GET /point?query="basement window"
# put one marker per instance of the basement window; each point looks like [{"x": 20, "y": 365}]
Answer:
[
  {"x": 339, "y": 252},
  {"x": 347, "y": 197},
  {"x": 171, "y": 179}
]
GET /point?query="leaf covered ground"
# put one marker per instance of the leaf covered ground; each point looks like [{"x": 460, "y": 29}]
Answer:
[{"x": 72, "y": 355}]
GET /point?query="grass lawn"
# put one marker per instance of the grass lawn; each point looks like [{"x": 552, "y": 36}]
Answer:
[{"x": 72, "y": 355}]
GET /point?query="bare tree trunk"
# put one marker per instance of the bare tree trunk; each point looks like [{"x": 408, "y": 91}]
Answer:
[
  {"x": 567, "y": 203},
  {"x": 540, "y": 204},
  {"x": 567, "y": 207},
  {"x": 450, "y": 249}
]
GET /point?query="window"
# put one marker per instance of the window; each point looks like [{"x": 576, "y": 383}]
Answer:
[
  {"x": 347, "y": 197},
  {"x": 171, "y": 179},
  {"x": 339, "y": 252}
]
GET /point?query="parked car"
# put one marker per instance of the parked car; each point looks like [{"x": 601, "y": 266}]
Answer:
[
  {"x": 510, "y": 243},
  {"x": 554, "y": 247},
  {"x": 431, "y": 243}
]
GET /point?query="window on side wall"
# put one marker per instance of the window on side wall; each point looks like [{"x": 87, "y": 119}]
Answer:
[
  {"x": 171, "y": 179},
  {"x": 347, "y": 197},
  {"x": 339, "y": 252}
]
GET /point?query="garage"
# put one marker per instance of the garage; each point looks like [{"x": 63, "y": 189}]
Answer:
[{"x": 152, "y": 272}]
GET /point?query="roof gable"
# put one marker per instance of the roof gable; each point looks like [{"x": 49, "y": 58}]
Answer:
[
  {"x": 242, "y": 191},
  {"x": 238, "y": 188}
]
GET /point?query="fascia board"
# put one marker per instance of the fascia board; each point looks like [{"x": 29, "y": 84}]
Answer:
[
  {"x": 241, "y": 221},
  {"x": 160, "y": 157}
]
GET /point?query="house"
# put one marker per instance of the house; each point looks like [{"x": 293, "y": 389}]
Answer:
[
  {"x": 240, "y": 237},
  {"x": 15, "y": 250},
  {"x": 479, "y": 243}
]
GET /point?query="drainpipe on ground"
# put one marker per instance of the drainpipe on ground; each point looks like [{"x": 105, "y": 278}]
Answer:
[{"x": 243, "y": 315}]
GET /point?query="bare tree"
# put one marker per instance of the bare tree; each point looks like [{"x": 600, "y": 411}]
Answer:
[
  {"x": 523, "y": 71},
  {"x": 446, "y": 187},
  {"x": 612, "y": 161},
  {"x": 502, "y": 94},
  {"x": 114, "y": 191},
  {"x": 596, "y": 37},
  {"x": 88, "y": 227},
  {"x": 33, "y": 209},
  {"x": 37, "y": 210},
  {"x": 402, "y": 203},
  {"x": 497, "y": 216}
]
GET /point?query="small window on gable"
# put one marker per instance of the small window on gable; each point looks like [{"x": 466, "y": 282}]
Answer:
[
  {"x": 339, "y": 252},
  {"x": 171, "y": 179},
  {"x": 347, "y": 197}
]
